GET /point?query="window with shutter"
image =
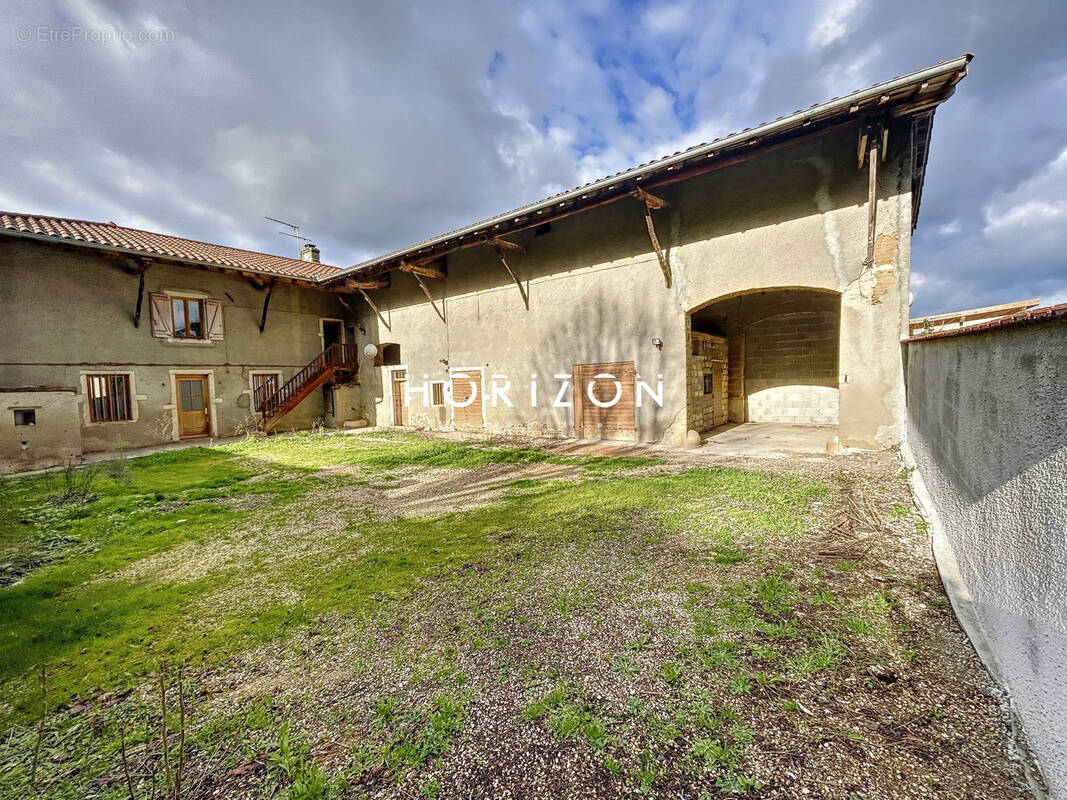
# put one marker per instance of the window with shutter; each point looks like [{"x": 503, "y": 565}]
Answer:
[
  {"x": 213, "y": 319},
  {"x": 162, "y": 321}
]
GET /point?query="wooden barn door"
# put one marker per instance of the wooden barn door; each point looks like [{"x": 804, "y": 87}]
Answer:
[
  {"x": 400, "y": 385},
  {"x": 467, "y": 412},
  {"x": 618, "y": 421}
]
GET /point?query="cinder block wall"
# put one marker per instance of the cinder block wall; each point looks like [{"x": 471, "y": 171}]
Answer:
[{"x": 791, "y": 368}]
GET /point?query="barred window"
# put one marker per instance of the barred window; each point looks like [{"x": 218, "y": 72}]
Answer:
[
  {"x": 437, "y": 397},
  {"x": 109, "y": 398}
]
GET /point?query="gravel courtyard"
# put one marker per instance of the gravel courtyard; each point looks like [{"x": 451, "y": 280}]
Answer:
[{"x": 387, "y": 615}]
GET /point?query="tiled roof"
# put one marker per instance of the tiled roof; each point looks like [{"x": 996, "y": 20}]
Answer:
[
  {"x": 1023, "y": 318},
  {"x": 116, "y": 237}
]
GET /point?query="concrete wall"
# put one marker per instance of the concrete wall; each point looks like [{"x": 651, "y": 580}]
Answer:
[
  {"x": 64, "y": 314},
  {"x": 988, "y": 432},
  {"x": 52, "y": 439},
  {"x": 791, "y": 368},
  {"x": 791, "y": 218}
]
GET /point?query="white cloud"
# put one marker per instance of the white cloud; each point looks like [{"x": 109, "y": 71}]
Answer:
[
  {"x": 669, "y": 18},
  {"x": 1034, "y": 212},
  {"x": 1055, "y": 298},
  {"x": 832, "y": 23}
]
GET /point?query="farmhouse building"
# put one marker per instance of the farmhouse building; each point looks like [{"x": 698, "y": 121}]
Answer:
[{"x": 760, "y": 277}]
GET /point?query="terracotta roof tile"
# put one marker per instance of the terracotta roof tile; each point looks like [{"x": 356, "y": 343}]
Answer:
[
  {"x": 1032, "y": 316},
  {"x": 110, "y": 235}
]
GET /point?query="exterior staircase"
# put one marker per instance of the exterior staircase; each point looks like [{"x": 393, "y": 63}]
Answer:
[{"x": 337, "y": 358}]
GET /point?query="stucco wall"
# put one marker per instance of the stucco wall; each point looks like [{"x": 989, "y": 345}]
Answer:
[
  {"x": 988, "y": 432},
  {"x": 53, "y": 438},
  {"x": 791, "y": 218},
  {"x": 64, "y": 314}
]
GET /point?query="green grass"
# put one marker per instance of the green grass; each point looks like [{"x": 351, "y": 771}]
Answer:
[
  {"x": 160, "y": 563},
  {"x": 94, "y": 629}
]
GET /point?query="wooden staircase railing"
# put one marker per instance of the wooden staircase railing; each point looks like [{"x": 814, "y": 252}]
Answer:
[{"x": 273, "y": 405}]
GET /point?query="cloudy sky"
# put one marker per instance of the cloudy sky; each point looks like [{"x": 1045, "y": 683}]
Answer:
[{"x": 377, "y": 123}]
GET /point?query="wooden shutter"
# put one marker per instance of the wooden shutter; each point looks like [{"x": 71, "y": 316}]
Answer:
[
  {"x": 594, "y": 422},
  {"x": 162, "y": 321},
  {"x": 213, "y": 319}
]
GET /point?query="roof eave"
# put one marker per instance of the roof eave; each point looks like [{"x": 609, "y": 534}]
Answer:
[
  {"x": 266, "y": 277},
  {"x": 948, "y": 73}
]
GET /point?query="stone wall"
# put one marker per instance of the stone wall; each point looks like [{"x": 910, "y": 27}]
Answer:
[
  {"x": 707, "y": 358},
  {"x": 988, "y": 433},
  {"x": 791, "y": 369}
]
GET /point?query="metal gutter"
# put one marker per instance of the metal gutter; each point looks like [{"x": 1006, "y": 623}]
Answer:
[{"x": 780, "y": 125}]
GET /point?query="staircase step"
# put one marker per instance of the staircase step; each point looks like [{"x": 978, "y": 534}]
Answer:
[{"x": 355, "y": 423}]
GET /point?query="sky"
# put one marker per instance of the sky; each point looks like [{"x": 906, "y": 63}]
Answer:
[{"x": 375, "y": 124}]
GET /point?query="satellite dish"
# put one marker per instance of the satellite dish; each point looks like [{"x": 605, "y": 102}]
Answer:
[{"x": 370, "y": 350}]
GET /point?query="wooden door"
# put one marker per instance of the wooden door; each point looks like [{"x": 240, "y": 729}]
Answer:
[
  {"x": 616, "y": 421},
  {"x": 194, "y": 405},
  {"x": 467, "y": 398},
  {"x": 400, "y": 406}
]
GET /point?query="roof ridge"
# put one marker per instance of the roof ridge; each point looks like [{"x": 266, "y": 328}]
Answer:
[{"x": 113, "y": 225}]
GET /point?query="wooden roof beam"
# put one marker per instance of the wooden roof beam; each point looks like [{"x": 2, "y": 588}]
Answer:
[
  {"x": 497, "y": 246},
  {"x": 650, "y": 201},
  {"x": 351, "y": 285},
  {"x": 426, "y": 291},
  {"x": 421, "y": 270},
  {"x": 373, "y": 306},
  {"x": 504, "y": 244}
]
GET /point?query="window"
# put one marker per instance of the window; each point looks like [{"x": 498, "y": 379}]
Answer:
[
  {"x": 109, "y": 398},
  {"x": 388, "y": 355},
  {"x": 264, "y": 385},
  {"x": 437, "y": 393},
  {"x": 327, "y": 399},
  {"x": 188, "y": 316},
  {"x": 709, "y": 383},
  {"x": 25, "y": 417}
]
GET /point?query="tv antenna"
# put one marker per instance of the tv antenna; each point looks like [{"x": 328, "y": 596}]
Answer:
[{"x": 295, "y": 234}]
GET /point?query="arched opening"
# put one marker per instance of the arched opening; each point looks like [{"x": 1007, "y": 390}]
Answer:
[{"x": 768, "y": 356}]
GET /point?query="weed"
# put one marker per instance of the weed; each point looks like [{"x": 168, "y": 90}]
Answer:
[
  {"x": 721, "y": 654},
  {"x": 738, "y": 784},
  {"x": 739, "y": 684},
  {"x": 714, "y": 754},
  {"x": 299, "y": 777},
  {"x": 828, "y": 653},
  {"x": 776, "y": 595},
  {"x": 625, "y": 667},
  {"x": 671, "y": 673},
  {"x": 643, "y": 642}
]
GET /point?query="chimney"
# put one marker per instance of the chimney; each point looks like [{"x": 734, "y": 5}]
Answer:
[{"x": 309, "y": 253}]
